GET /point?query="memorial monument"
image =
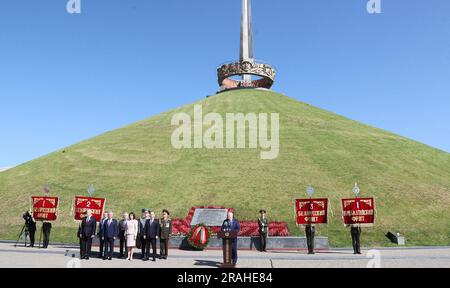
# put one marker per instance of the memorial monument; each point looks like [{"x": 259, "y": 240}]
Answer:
[{"x": 253, "y": 74}]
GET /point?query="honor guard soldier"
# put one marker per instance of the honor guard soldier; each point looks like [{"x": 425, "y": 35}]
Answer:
[
  {"x": 79, "y": 234},
  {"x": 164, "y": 235},
  {"x": 310, "y": 231},
  {"x": 46, "y": 228},
  {"x": 355, "y": 231},
  {"x": 263, "y": 224}
]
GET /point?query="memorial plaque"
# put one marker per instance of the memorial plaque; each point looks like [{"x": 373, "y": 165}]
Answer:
[{"x": 209, "y": 217}]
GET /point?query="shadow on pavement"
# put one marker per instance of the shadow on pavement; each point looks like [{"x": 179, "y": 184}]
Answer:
[{"x": 207, "y": 263}]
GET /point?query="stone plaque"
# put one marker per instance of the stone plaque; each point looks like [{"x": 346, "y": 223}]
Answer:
[{"x": 209, "y": 217}]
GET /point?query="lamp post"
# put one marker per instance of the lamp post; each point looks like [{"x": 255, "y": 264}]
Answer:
[
  {"x": 91, "y": 189},
  {"x": 310, "y": 190},
  {"x": 356, "y": 190}
]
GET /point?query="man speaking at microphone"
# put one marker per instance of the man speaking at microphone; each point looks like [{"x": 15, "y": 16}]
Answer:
[{"x": 232, "y": 225}]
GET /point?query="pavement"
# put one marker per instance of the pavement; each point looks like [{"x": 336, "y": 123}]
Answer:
[{"x": 61, "y": 256}]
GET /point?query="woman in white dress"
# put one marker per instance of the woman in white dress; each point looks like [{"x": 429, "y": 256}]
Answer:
[{"x": 131, "y": 231}]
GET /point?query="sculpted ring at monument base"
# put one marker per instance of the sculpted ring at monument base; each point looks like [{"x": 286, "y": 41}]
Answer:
[{"x": 264, "y": 71}]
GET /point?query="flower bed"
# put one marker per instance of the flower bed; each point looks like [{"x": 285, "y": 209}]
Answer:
[{"x": 182, "y": 227}]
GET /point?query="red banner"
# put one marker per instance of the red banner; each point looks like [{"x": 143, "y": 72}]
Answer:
[
  {"x": 44, "y": 207},
  {"x": 84, "y": 203},
  {"x": 311, "y": 211},
  {"x": 358, "y": 211}
]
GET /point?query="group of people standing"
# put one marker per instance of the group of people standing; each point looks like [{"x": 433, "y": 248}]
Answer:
[
  {"x": 30, "y": 230},
  {"x": 145, "y": 232},
  {"x": 130, "y": 231}
]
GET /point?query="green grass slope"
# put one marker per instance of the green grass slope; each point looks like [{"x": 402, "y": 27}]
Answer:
[{"x": 136, "y": 167}]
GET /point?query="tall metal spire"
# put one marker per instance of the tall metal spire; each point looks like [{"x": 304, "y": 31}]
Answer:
[
  {"x": 254, "y": 75},
  {"x": 246, "y": 32}
]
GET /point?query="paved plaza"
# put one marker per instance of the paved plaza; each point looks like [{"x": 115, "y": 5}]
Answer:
[{"x": 60, "y": 256}]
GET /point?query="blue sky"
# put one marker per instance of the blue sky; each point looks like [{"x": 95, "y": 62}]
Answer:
[{"x": 65, "y": 78}]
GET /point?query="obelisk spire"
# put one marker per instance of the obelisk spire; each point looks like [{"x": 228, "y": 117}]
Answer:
[
  {"x": 246, "y": 32},
  {"x": 246, "y": 35},
  {"x": 254, "y": 75}
]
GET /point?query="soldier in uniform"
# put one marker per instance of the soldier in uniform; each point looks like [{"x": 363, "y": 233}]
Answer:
[
  {"x": 79, "y": 234},
  {"x": 46, "y": 228},
  {"x": 165, "y": 230},
  {"x": 355, "y": 231},
  {"x": 310, "y": 231},
  {"x": 263, "y": 224}
]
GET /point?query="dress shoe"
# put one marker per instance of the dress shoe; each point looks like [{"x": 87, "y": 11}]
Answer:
[{"x": 109, "y": 258}]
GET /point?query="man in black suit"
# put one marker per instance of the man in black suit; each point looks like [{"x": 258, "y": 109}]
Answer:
[
  {"x": 141, "y": 232},
  {"x": 100, "y": 233},
  {"x": 151, "y": 234},
  {"x": 232, "y": 225},
  {"x": 87, "y": 232},
  {"x": 110, "y": 230}
]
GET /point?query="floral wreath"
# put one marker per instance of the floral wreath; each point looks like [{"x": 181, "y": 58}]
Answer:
[{"x": 199, "y": 236}]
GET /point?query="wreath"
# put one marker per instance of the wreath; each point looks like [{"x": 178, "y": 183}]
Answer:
[{"x": 199, "y": 236}]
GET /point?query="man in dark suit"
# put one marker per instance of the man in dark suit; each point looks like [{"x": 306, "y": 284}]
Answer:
[
  {"x": 151, "y": 234},
  {"x": 110, "y": 231},
  {"x": 122, "y": 236},
  {"x": 87, "y": 232},
  {"x": 141, "y": 232},
  {"x": 232, "y": 225},
  {"x": 100, "y": 233}
]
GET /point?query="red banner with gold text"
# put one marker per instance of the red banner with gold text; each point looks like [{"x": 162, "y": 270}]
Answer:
[
  {"x": 44, "y": 208},
  {"x": 358, "y": 211},
  {"x": 83, "y": 203},
  {"x": 311, "y": 211}
]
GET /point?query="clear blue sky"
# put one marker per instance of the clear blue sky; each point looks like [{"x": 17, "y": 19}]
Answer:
[{"x": 65, "y": 78}]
